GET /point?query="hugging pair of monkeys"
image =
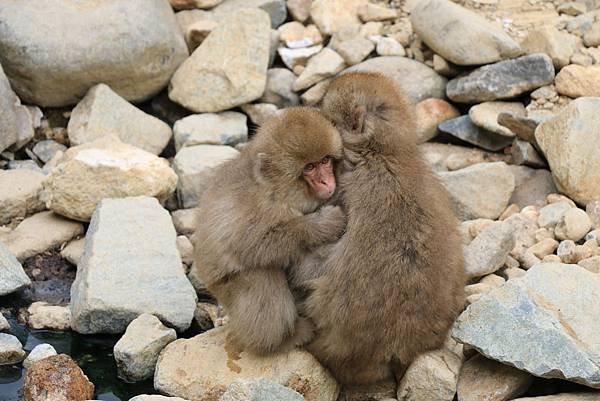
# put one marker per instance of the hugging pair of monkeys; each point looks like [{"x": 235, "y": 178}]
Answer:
[{"x": 366, "y": 284}]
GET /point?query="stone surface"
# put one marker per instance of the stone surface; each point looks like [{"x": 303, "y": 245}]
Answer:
[
  {"x": 198, "y": 31},
  {"x": 568, "y": 142},
  {"x": 19, "y": 194},
  {"x": 275, "y": 9},
  {"x": 522, "y": 127},
  {"x": 193, "y": 165},
  {"x": 15, "y": 121},
  {"x": 323, "y": 65},
  {"x": 593, "y": 210},
  {"x": 485, "y": 379},
  {"x": 293, "y": 58},
  {"x": 463, "y": 128},
  {"x": 137, "y": 351},
  {"x": 130, "y": 244},
  {"x": 260, "y": 112},
  {"x": 259, "y": 390},
  {"x": 184, "y": 221},
  {"x": 524, "y": 153},
  {"x": 485, "y": 115},
  {"x": 503, "y": 80},
  {"x": 4, "y": 325},
  {"x": 564, "y": 397},
  {"x": 419, "y": 81},
  {"x": 295, "y": 35},
  {"x": 429, "y": 114},
  {"x": 105, "y": 168},
  {"x": 374, "y": 12},
  {"x": 543, "y": 323},
  {"x": 201, "y": 369},
  {"x": 78, "y": 49},
  {"x": 447, "y": 157},
  {"x": 56, "y": 378},
  {"x": 578, "y": 81},
  {"x": 299, "y": 9},
  {"x": 460, "y": 35},
  {"x": 45, "y": 150},
  {"x": 332, "y": 15},
  {"x": 355, "y": 50},
  {"x": 11, "y": 350},
  {"x": 389, "y": 47},
  {"x": 481, "y": 190},
  {"x": 203, "y": 83},
  {"x": 573, "y": 225},
  {"x": 226, "y": 128},
  {"x": 186, "y": 249},
  {"x": 38, "y": 353},
  {"x": 73, "y": 251},
  {"x": 103, "y": 112},
  {"x": 560, "y": 46},
  {"x": 488, "y": 251},
  {"x": 40, "y": 232},
  {"x": 43, "y": 316},
  {"x": 552, "y": 214},
  {"x": 279, "y": 88}
]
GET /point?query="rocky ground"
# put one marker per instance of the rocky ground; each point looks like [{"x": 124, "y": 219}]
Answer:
[{"x": 113, "y": 113}]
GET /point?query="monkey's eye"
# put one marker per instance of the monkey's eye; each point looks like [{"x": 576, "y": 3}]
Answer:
[
  {"x": 309, "y": 167},
  {"x": 326, "y": 160}
]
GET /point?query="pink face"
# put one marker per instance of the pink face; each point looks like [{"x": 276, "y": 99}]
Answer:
[{"x": 320, "y": 177}]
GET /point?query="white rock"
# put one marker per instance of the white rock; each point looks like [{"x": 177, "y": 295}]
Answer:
[
  {"x": 186, "y": 249},
  {"x": 184, "y": 221},
  {"x": 552, "y": 214},
  {"x": 43, "y": 316},
  {"x": 355, "y": 50},
  {"x": 38, "y": 353},
  {"x": 574, "y": 225},
  {"x": 374, "y": 12},
  {"x": 297, "y": 57},
  {"x": 73, "y": 251},
  {"x": 259, "y": 389},
  {"x": 260, "y": 112},
  {"x": 12, "y": 275},
  {"x": 279, "y": 88},
  {"x": 332, "y": 15},
  {"x": 390, "y": 47},
  {"x": 19, "y": 194},
  {"x": 4, "y": 325},
  {"x": 325, "y": 64},
  {"x": 295, "y": 35},
  {"x": 15, "y": 121},
  {"x": 226, "y": 128},
  {"x": 488, "y": 251},
  {"x": 11, "y": 350},
  {"x": 485, "y": 115}
]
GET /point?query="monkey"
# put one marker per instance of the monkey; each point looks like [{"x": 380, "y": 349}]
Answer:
[
  {"x": 258, "y": 215},
  {"x": 393, "y": 285}
]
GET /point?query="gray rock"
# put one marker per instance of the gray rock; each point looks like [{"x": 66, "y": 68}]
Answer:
[
  {"x": 11, "y": 350},
  {"x": 463, "y": 128},
  {"x": 593, "y": 210},
  {"x": 275, "y": 8},
  {"x": 543, "y": 323},
  {"x": 12, "y": 275},
  {"x": 488, "y": 251},
  {"x": 4, "y": 325},
  {"x": 569, "y": 142},
  {"x": 15, "y": 120},
  {"x": 279, "y": 88},
  {"x": 522, "y": 127},
  {"x": 523, "y": 153},
  {"x": 204, "y": 83},
  {"x": 531, "y": 186},
  {"x": 23, "y": 165},
  {"x": 552, "y": 214},
  {"x": 502, "y": 80},
  {"x": 19, "y": 194},
  {"x": 73, "y": 251},
  {"x": 259, "y": 112},
  {"x": 355, "y": 50},
  {"x": 79, "y": 49},
  {"x": 323, "y": 65},
  {"x": 418, "y": 80},
  {"x": 460, "y": 35},
  {"x": 447, "y": 157},
  {"x": 38, "y": 353},
  {"x": 137, "y": 351},
  {"x": 226, "y": 128},
  {"x": 130, "y": 266},
  {"x": 481, "y": 190},
  {"x": 103, "y": 112},
  {"x": 193, "y": 165},
  {"x": 485, "y": 115},
  {"x": 259, "y": 390},
  {"x": 560, "y": 46},
  {"x": 184, "y": 221},
  {"x": 46, "y": 149}
]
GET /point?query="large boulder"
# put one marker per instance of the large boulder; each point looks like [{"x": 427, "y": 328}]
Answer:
[
  {"x": 460, "y": 35},
  {"x": 570, "y": 143},
  {"x": 79, "y": 48},
  {"x": 19, "y": 194},
  {"x": 12, "y": 275},
  {"x": 205, "y": 83},
  {"x": 105, "y": 168},
  {"x": 201, "y": 368},
  {"x": 130, "y": 266},
  {"x": 543, "y": 323},
  {"x": 56, "y": 378},
  {"x": 15, "y": 121},
  {"x": 103, "y": 112}
]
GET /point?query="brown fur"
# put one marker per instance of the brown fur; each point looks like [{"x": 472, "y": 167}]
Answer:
[
  {"x": 257, "y": 217},
  {"x": 394, "y": 282}
]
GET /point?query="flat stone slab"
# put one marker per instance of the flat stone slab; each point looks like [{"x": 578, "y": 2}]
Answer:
[{"x": 463, "y": 128}]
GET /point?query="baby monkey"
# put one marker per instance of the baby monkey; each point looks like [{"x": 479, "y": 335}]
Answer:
[{"x": 258, "y": 216}]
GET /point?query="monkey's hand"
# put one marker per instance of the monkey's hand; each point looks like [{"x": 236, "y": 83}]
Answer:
[{"x": 328, "y": 225}]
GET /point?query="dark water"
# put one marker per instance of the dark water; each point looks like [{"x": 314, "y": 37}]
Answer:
[{"x": 92, "y": 353}]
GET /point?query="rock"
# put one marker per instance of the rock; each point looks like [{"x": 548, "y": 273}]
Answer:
[
  {"x": 210, "y": 364},
  {"x": 48, "y": 317},
  {"x": 502, "y": 80},
  {"x": 12, "y": 275},
  {"x": 46, "y": 149},
  {"x": 593, "y": 211},
  {"x": 591, "y": 37},
  {"x": 56, "y": 378},
  {"x": 432, "y": 376},
  {"x": 103, "y": 112},
  {"x": 226, "y": 128},
  {"x": 41, "y": 232},
  {"x": 198, "y": 31},
  {"x": 105, "y": 168},
  {"x": 485, "y": 379},
  {"x": 552, "y": 214},
  {"x": 463, "y": 128},
  {"x": 522, "y": 127},
  {"x": 578, "y": 81},
  {"x": 560, "y": 46},
  {"x": 325, "y": 64},
  {"x": 186, "y": 249},
  {"x": 295, "y": 35},
  {"x": 279, "y": 88},
  {"x": 592, "y": 264},
  {"x": 418, "y": 80},
  {"x": 573, "y": 225},
  {"x": 193, "y": 166},
  {"x": 566, "y": 141},
  {"x": 523, "y": 153},
  {"x": 11, "y": 350},
  {"x": 4, "y": 325},
  {"x": 193, "y": 4},
  {"x": 121, "y": 254},
  {"x": 564, "y": 397},
  {"x": 184, "y": 221},
  {"x": 19, "y": 194},
  {"x": 446, "y": 157},
  {"x": 299, "y": 9},
  {"x": 293, "y": 58},
  {"x": 155, "y": 397},
  {"x": 203, "y": 83},
  {"x": 390, "y": 47},
  {"x": 485, "y": 115},
  {"x": 73, "y": 251},
  {"x": 429, "y": 114},
  {"x": 572, "y": 8},
  {"x": 374, "y": 12},
  {"x": 332, "y": 15},
  {"x": 31, "y": 50},
  {"x": 488, "y": 251},
  {"x": 259, "y": 390},
  {"x": 137, "y": 351},
  {"x": 545, "y": 247},
  {"x": 314, "y": 95},
  {"x": 355, "y": 50},
  {"x": 260, "y": 112},
  {"x": 15, "y": 120},
  {"x": 531, "y": 323},
  {"x": 38, "y": 353},
  {"x": 460, "y": 35},
  {"x": 492, "y": 182},
  {"x": 23, "y": 165},
  {"x": 274, "y": 8}
]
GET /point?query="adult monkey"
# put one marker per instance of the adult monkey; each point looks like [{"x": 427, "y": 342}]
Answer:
[
  {"x": 258, "y": 215},
  {"x": 393, "y": 284}
]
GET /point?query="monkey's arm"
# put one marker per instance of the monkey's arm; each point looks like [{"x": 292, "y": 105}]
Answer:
[{"x": 312, "y": 266}]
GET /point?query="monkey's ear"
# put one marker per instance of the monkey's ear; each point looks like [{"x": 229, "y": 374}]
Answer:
[{"x": 358, "y": 119}]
